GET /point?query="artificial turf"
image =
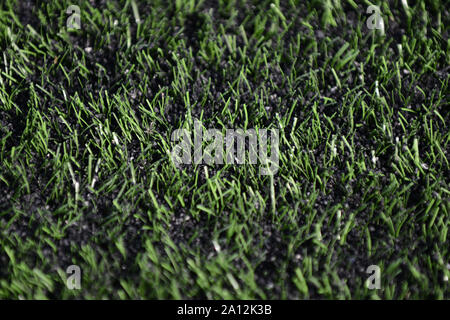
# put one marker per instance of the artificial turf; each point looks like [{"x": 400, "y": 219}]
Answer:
[{"x": 86, "y": 177}]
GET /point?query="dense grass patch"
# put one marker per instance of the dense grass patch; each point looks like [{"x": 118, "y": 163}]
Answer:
[{"x": 86, "y": 177}]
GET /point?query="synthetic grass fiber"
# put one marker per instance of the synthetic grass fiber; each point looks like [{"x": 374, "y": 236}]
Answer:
[{"x": 87, "y": 179}]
